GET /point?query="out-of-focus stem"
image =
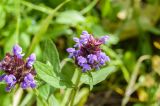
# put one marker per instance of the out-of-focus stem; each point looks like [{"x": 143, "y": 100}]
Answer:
[
  {"x": 27, "y": 99},
  {"x": 17, "y": 97},
  {"x": 43, "y": 28},
  {"x": 36, "y": 7},
  {"x": 17, "y": 5},
  {"x": 131, "y": 86},
  {"x": 64, "y": 61},
  {"x": 89, "y": 7}
]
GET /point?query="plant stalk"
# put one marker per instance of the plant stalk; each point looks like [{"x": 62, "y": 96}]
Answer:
[
  {"x": 75, "y": 89},
  {"x": 70, "y": 93}
]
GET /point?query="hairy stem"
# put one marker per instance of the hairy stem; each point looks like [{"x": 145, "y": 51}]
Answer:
[
  {"x": 74, "y": 90},
  {"x": 70, "y": 93}
]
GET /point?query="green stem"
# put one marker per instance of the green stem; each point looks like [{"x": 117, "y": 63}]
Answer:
[
  {"x": 45, "y": 9},
  {"x": 43, "y": 28},
  {"x": 89, "y": 7},
  {"x": 70, "y": 93},
  {"x": 17, "y": 5},
  {"x": 131, "y": 85},
  {"x": 74, "y": 90}
]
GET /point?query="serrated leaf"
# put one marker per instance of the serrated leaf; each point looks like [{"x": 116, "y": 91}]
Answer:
[
  {"x": 47, "y": 74},
  {"x": 51, "y": 55},
  {"x": 97, "y": 76}
]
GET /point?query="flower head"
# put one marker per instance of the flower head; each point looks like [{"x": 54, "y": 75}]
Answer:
[
  {"x": 87, "y": 52},
  {"x": 17, "y": 70}
]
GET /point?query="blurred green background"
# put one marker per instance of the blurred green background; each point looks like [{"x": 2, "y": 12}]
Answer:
[{"x": 134, "y": 30}]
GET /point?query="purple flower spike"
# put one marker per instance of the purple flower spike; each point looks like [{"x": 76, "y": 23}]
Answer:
[
  {"x": 31, "y": 59},
  {"x": 87, "y": 52},
  {"x": 17, "y": 70},
  {"x": 17, "y": 51}
]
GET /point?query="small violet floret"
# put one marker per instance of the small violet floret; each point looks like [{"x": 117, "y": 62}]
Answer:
[
  {"x": 17, "y": 51},
  {"x": 28, "y": 81},
  {"x": 30, "y": 60},
  {"x": 16, "y": 70},
  {"x": 87, "y": 52}
]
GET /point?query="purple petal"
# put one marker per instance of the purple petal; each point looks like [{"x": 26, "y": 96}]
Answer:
[
  {"x": 92, "y": 58},
  {"x": 8, "y": 89},
  {"x": 86, "y": 67},
  {"x": 28, "y": 81},
  {"x": 70, "y": 50},
  {"x": 2, "y": 77},
  {"x": 32, "y": 57},
  {"x": 103, "y": 58},
  {"x": 9, "y": 79},
  {"x": 103, "y": 39},
  {"x": 81, "y": 60},
  {"x": 84, "y": 33},
  {"x": 33, "y": 85},
  {"x": 30, "y": 60},
  {"x": 29, "y": 77},
  {"x": 76, "y": 39},
  {"x": 17, "y": 50},
  {"x": 24, "y": 85}
]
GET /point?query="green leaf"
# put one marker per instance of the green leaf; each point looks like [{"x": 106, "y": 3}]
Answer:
[
  {"x": 44, "y": 27},
  {"x": 154, "y": 30},
  {"x": 97, "y": 76},
  {"x": 51, "y": 54},
  {"x": 53, "y": 101},
  {"x": 46, "y": 73},
  {"x": 81, "y": 97},
  {"x": 2, "y": 16},
  {"x": 106, "y": 8},
  {"x": 41, "y": 102},
  {"x": 44, "y": 91},
  {"x": 70, "y": 17},
  {"x": 68, "y": 71}
]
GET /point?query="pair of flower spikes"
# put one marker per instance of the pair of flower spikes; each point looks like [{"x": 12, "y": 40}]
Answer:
[{"x": 86, "y": 53}]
